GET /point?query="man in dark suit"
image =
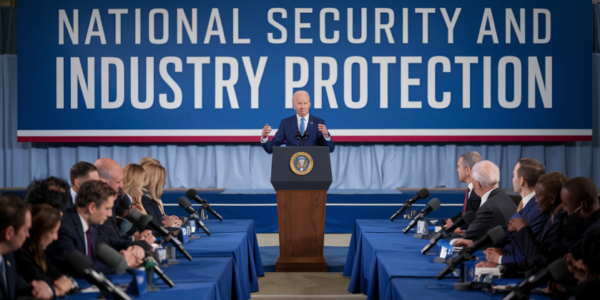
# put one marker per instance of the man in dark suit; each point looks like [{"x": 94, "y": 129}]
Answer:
[
  {"x": 580, "y": 197},
  {"x": 80, "y": 172},
  {"x": 526, "y": 173},
  {"x": 496, "y": 207},
  {"x": 301, "y": 122},
  {"x": 15, "y": 221},
  {"x": 79, "y": 229},
  {"x": 472, "y": 200},
  {"x": 111, "y": 172}
]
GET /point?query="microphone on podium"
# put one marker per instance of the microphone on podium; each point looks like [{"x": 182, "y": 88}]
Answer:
[
  {"x": 299, "y": 138},
  {"x": 305, "y": 136},
  {"x": 422, "y": 194},
  {"x": 466, "y": 219},
  {"x": 433, "y": 205}
]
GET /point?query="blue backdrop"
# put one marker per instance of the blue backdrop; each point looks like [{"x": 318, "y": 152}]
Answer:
[
  {"x": 182, "y": 71},
  {"x": 245, "y": 165}
]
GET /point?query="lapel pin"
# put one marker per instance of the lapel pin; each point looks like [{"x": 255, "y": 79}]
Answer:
[
  {"x": 8, "y": 263},
  {"x": 311, "y": 122}
]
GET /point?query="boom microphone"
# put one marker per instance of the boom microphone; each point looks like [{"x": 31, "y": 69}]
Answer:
[
  {"x": 187, "y": 205},
  {"x": 111, "y": 258},
  {"x": 193, "y": 195},
  {"x": 422, "y": 194},
  {"x": 158, "y": 270},
  {"x": 153, "y": 225},
  {"x": 432, "y": 205},
  {"x": 490, "y": 238},
  {"x": 466, "y": 219},
  {"x": 556, "y": 271},
  {"x": 83, "y": 267}
]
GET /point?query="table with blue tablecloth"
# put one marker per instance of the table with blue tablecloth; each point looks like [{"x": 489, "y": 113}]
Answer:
[
  {"x": 361, "y": 226},
  {"x": 240, "y": 225},
  {"x": 229, "y": 244},
  {"x": 427, "y": 289},
  {"x": 196, "y": 290}
]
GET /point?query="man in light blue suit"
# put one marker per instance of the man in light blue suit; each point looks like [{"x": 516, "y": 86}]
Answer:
[{"x": 300, "y": 122}]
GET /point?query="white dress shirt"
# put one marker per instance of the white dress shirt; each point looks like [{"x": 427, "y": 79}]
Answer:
[
  {"x": 73, "y": 195},
  {"x": 85, "y": 229},
  {"x": 470, "y": 187},
  {"x": 299, "y": 119}
]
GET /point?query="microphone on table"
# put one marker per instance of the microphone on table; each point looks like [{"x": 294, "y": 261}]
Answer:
[
  {"x": 433, "y": 205},
  {"x": 117, "y": 262},
  {"x": 187, "y": 205},
  {"x": 83, "y": 267},
  {"x": 193, "y": 195},
  {"x": 466, "y": 219},
  {"x": 422, "y": 194},
  {"x": 151, "y": 224},
  {"x": 490, "y": 238},
  {"x": 134, "y": 217},
  {"x": 556, "y": 271}
]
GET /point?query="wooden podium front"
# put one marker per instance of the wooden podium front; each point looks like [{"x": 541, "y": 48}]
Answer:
[{"x": 301, "y": 201}]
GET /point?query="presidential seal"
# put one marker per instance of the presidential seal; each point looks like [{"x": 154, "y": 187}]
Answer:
[{"x": 301, "y": 163}]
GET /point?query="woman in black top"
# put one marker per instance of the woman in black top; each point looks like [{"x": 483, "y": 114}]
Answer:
[{"x": 33, "y": 265}]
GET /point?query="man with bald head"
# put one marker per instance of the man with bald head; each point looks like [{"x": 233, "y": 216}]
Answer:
[
  {"x": 301, "y": 123},
  {"x": 496, "y": 206},
  {"x": 111, "y": 172}
]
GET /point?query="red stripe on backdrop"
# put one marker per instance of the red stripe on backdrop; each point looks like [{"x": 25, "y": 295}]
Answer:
[{"x": 218, "y": 139}]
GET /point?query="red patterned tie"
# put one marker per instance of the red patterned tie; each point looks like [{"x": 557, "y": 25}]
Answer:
[{"x": 466, "y": 199}]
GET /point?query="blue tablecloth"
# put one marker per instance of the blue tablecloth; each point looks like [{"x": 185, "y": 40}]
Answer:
[
  {"x": 196, "y": 290},
  {"x": 427, "y": 289},
  {"x": 240, "y": 225},
  {"x": 393, "y": 264},
  {"x": 218, "y": 270},
  {"x": 235, "y": 245},
  {"x": 372, "y": 244},
  {"x": 361, "y": 226}
]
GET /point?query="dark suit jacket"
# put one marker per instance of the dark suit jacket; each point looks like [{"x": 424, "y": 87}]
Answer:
[
  {"x": 153, "y": 210},
  {"x": 122, "y": 203},
  {"x": 71, "y": 237},
  {"x": 533, "y": 215},
  {"x": 69, "y": 203},
  {"x": 472, "y": 205},
  {"x": 591, "y": 223},
  {"x": 497, "y": 210},
  {"x": 543, "y": 248},
  {"x": 16, "y": 285},
  {"x": 286, "y": 134},
  {"x": 30, "y": 270}
]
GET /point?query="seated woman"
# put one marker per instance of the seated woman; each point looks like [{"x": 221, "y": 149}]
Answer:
[
  {"x": 154, "y": 181},
  {"x": 133, "y": 185},
  {"x": 33, "y": 265}
]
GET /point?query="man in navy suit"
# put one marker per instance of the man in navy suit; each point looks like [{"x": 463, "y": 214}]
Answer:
[
  {"x": 301, "y": 122},
  {"x": 80, "y": 172},
  {"x": 15, "y": 221},
  {"x": 525, "y": 176},
  {"x": 79, "y": 229}
]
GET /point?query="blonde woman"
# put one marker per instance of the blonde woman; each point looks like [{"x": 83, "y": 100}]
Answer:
[
  {"x": 133, "y": 185},
  {"x": 155, "y": 177},
  {"x": 149, "y": 160}
]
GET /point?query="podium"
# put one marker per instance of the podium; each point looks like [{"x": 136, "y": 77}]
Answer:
[{"x": 301, "y": 200}]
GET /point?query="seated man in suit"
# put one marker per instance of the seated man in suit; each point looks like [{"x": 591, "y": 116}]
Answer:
[
  {"x": 15, "y": 221},
  {"x": 580, "y": 196},
  {"x": 111, "y": 172},
  {"x": 525, "y": 176},
  {"x": 496, "y": 207},
  {"x": 472, "y": 200},
  {"x": 80, "y": 173},
  {"x": 301, "y": 122},
  {"x": 79, "y": 229}
]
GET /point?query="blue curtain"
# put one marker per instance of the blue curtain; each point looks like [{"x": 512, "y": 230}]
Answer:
[{"x": 247, "y": 166}]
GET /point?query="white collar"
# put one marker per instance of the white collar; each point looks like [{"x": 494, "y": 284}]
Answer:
[
  {"x": 527, "y": 198},
  {"x": 298, "y": 117},
  {"x": 73, "y": 195},
  {"x": 470, "y": 187},
  {"x": 83, "y": 223},
  {"x": 485, "y": 196}
]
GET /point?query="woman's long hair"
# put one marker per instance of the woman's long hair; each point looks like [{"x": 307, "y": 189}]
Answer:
[
  {"x": 133, "y": 183},
  {"x": 154, "y": 182},
  {"x": 44, "y": 218},
  {"x": 148, "y": 160}
]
